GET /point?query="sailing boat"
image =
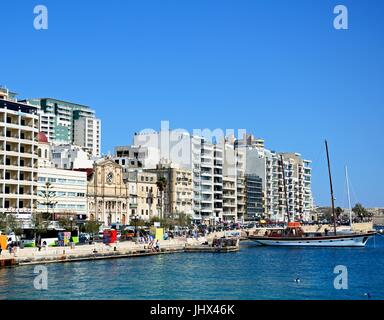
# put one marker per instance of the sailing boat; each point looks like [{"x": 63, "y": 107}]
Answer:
[{"x": 293, "y": 234}]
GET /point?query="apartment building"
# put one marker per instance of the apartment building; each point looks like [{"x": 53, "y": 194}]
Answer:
[
  {"x": 133, "y": 156},
  {"x": 254, "y": 198},
  {"x": 60, "y": 193},
  {"x": 178, "y": 195},
  {"x": 229, "y": 199},
  {"x": 65, "y": 122},
  {"x": 68, "y": 193},
  {"x": 18, "y": 156},
  {"x": 144, "y": 196},
  {"x": 87, "y": 134},
  {"x": 298, "y": 185},
  {"x": 70, "y": 157}
]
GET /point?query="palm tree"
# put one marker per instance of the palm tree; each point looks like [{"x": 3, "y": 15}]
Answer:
[{"x": 161, "y": 186}]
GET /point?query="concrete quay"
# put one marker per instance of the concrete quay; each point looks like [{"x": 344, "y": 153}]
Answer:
[{"x": 98, "y": 251}]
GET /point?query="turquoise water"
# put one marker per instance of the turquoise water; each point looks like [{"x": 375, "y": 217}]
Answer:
[{"x": 254, "y": 273}]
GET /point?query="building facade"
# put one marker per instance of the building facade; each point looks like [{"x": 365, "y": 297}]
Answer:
[
  {"x": 87, "y": 133},
  {"x": 178, "y": 195},
  {"x": 19, "y": 126},
  {"x": 144, "y": 195},
  {"x": 107, "y": 194},
  {"x": 67, "y": 190},
  {"x": 65, "y": 122},
  {"x": 70, "y": 157}
]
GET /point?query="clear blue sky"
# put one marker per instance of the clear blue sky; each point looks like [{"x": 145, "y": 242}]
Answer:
[{"x": 276, "y": 68}]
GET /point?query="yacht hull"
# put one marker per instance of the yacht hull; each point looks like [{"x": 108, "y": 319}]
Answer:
[{"x": 357, "y": 240}]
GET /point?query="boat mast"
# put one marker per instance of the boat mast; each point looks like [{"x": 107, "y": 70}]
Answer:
[
  {"x": 285, "y": 187},
  {"x": 330, "y": 182},
  {"x": 349, "y": 197}
]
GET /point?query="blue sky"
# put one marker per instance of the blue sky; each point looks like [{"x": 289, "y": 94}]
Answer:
[{"x": 276, "y": 68}]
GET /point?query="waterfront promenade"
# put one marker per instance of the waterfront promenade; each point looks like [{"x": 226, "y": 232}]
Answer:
[
  {"x": 98, "y": 251},
  {"x": 94, "y": 251}
]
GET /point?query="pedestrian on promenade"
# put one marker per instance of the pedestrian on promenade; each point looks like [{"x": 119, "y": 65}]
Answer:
[
  {"x": 1, "y": 250},
  {"x": 157, "y": 246},
  {"x": 10, "y": 248}
]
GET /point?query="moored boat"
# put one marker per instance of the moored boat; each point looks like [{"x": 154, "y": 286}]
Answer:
[
  {"x": 294, "y": 235},
  {"x": 221, "y": 245}
]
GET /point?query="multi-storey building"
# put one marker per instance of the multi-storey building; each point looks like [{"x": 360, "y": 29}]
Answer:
[
  {"x": 144, "y": 196},
  {"x": 229, "y": 199},
  {"x": 218, "y": 162},
  {"x": 60, "y": 193},
  {"x": 67, "y": 190},
  {"x": 18, "y": 156},
  {"x": 70, "y": 157},
  {"x": 66, "y": 123},
  {"x": 178, "y": 195},
  {"x": 254, "y": 198},
  {"x": 204, "y": 175},
  {"x": 298, "y": 186},
  {"x": 133, "y": 156},
  {"x": 87, "y": 134}
]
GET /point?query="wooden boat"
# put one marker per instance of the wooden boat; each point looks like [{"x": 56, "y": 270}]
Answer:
[
  {"x": 221, "y": 245},
  {"x": 293, "y": 234}
]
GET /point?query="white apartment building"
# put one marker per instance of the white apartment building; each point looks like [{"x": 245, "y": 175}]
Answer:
[
  {"x": 18, "y": 156},
  {"x": 298, "y": 184},
  {"x": 47, "y": 122},
  {"x": 70, "y": 157},
  {"x": 68, "y": 188},
  {"x": 87, "y": 134},
  {"x": 69, "y": 193},
  {"x": 229, "y": 199},
  {"x": 134, "y": 156}
]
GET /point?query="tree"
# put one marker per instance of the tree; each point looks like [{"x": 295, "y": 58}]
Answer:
[
  {"x": 184, "y": 220},
  {"x": 161, "y": 186},
  {"x": 92, "y": 227},
  {"x": 361, "y": 212},
  {"x": 3, "y": 222},
  {"x": 14, "y": 224},
  {"x": 39, "y": 224},
  {"x": 47, "y": 199},
  {"x": 338, "y": 212}
]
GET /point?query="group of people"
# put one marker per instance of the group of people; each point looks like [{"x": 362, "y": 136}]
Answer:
[{"x": 154, "y": 246}]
